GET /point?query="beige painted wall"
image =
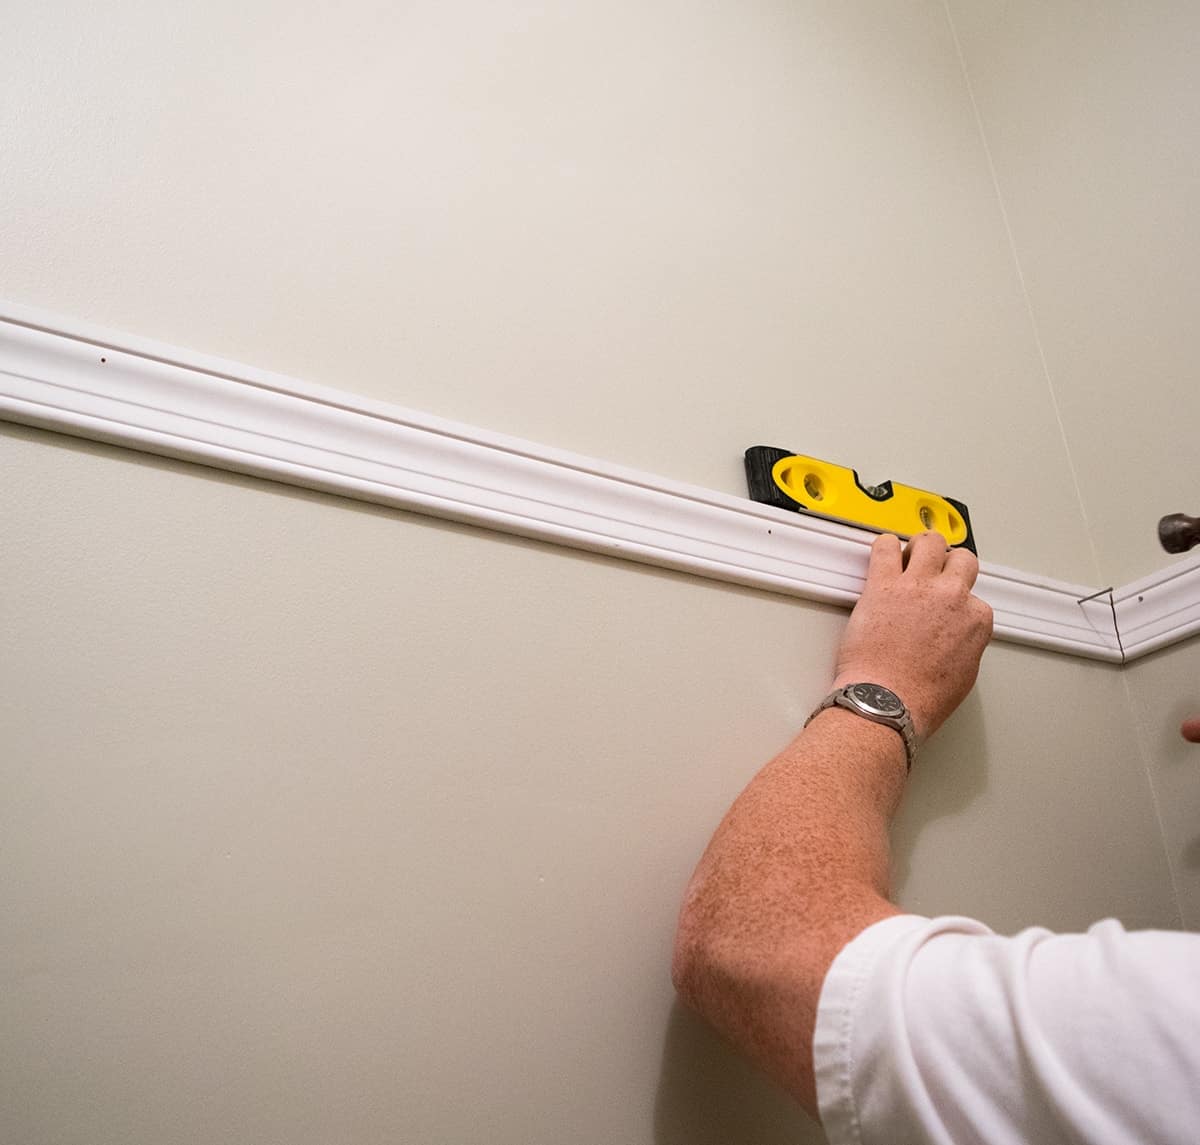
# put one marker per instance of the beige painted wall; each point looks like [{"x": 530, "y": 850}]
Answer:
[
  {"x": 653, "y": 232},
  {"x": 329, "y": 823},
  {"x": 1091, "y": 112}
]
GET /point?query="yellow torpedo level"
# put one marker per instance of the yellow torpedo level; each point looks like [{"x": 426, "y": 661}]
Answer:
[{"x": 793, "y": 481}]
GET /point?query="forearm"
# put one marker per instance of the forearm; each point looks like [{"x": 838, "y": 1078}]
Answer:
[
  {"x": 796, "y": 869},
  {"x": 799, "y": 866}
]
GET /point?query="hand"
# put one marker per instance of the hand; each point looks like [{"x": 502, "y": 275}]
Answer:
[
  {"x": 917, "y": 629},
  {"x": 1190, "y": 730}
]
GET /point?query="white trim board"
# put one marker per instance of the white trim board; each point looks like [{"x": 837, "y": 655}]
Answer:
[
  {"x": 1159, "y": 610},
  {"x": 68, "y": 376}
]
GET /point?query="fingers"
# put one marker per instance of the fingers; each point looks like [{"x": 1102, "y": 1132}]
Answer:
[
  {"x": 925, "y": 554},
  {"x": 963, "y": 564},
  {"x": 887, "y": 559},
  {"x": 1191, "y": 729}
]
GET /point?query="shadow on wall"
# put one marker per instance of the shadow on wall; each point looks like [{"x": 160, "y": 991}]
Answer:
[
  {"x": 947, "y": 777},
  {"x": 708, "y": 1094}
]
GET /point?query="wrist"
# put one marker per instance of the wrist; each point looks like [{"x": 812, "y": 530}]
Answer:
[
  {"x": 868, "y": 698},
  {"x": 879, "y": 737},
  {"x": 873, "y": 753},
  {"x": 906, "y": 692}
]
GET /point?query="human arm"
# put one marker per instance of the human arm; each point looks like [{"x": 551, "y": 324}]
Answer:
[{"x": 799, "y": 865}]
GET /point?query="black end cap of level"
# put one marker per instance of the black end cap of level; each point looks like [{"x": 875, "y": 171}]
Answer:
[{"x": 760, "y": 461}]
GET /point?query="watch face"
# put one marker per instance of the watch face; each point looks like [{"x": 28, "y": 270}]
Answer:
[{"x": 877, "y": 699}]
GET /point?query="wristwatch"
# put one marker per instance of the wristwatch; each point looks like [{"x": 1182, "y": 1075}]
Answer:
[{"x": 876, "y": 703}]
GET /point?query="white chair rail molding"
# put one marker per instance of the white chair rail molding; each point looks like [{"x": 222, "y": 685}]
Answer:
[{"x": 71, "y": 377}]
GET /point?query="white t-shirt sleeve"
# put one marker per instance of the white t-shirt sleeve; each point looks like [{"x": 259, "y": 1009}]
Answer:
[{"x": 938, "y": 1030}]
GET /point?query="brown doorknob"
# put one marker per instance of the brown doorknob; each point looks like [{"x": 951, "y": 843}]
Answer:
[{"x": 1179, "y": 532}]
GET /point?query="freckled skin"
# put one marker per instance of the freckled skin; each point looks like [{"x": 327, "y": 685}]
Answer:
[{"x": 799, "y": 865}]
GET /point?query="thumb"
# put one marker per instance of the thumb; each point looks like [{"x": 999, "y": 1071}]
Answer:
[{"x": 1191, "y": 729}]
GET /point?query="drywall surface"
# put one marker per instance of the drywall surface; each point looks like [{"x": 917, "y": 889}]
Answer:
[
  {"x": 1165, "y": 689},
  {"x": 325, "y": 823},
  {"x": 651, "y": 232},
  {"x": 1038, "y": 780},
  {"x": 1091, "y": 112}
]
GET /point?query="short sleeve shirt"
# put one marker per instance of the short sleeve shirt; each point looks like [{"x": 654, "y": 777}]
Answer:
[{"x": 938, "y": 1030}]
